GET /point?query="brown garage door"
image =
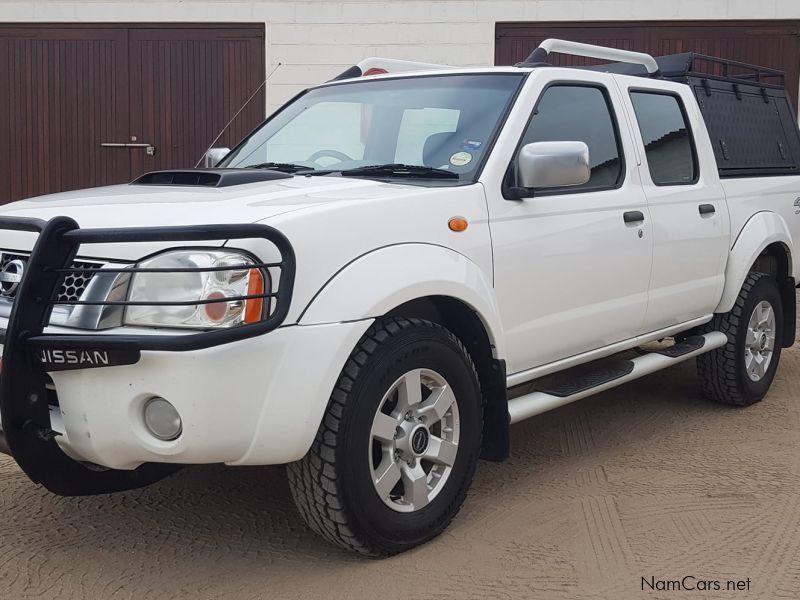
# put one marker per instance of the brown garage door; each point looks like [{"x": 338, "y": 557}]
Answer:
[
  {"x": 767, "y": 43},
  {"x": 71, "y": 95}
]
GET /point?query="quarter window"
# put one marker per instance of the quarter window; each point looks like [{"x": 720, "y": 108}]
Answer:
[
  {"x": 567, "y": 113},
  {"x": 667, "y": 139}
]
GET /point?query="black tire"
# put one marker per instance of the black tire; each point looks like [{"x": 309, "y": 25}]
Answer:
[
  {"x": 333, "y": 486},
  {"x": 722, "y": 373}
]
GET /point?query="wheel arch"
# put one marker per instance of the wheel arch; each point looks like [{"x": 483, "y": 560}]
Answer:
[
  {"x": 376, "y": 283},
  {"x": 763, "y": 245},
  {"x": 436, "y": 284},
  {"x": 461, "y": 320}
]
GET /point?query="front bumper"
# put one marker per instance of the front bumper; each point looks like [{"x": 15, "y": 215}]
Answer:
[
  {"x": 253, "y": 402},
  {"x": 95, "y": 419}
]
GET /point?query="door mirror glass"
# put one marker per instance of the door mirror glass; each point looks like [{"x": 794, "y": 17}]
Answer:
[
  {"x": 553, "y": 165},
  {"x": 214, "y": 156}
]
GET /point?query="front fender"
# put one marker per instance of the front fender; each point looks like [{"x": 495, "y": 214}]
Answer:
[
  {"x": 375, "y": 283},
  {"x": 763, "y": 229}
]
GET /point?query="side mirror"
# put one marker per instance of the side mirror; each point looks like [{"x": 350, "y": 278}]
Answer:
[
  {"x": 553, "y": 164},
  {"x": 213, "y": 157}
]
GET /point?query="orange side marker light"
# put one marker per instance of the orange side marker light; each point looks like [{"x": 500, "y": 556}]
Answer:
[{"x": 458, "y": 224}]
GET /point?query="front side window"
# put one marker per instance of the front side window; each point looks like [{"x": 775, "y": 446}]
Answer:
[
  {"x": 667, "y": 139},
  {"x": 571, "y": 113},
  {"x": 443, "y": 122}
]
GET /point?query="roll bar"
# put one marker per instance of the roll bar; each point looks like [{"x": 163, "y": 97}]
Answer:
[{"x": 551, "y": 45}]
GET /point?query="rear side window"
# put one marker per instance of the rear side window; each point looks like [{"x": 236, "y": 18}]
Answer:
[
  {"x": 668, "y": 142},
  {"x": 567, "y": 113}
]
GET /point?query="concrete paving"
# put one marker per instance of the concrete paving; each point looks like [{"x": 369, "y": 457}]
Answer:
[{"x": 646, "y": 481}]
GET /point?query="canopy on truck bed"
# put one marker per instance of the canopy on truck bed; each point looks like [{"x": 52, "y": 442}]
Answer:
[{"x": 747, "y": 111}]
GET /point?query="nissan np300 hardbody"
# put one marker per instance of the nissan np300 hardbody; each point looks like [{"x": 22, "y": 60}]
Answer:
[{"x": 353, "y": 290}]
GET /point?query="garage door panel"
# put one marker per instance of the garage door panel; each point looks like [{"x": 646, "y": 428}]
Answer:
[
  {"x": 185, "y": 87},
  {"x": 772, "y": 44},
  {"x": 515, "y": 41},
  {"x": 67, "y": 89},
  {"x": 63, "y": 94}
]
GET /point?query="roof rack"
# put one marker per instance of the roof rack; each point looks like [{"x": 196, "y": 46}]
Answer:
[
  {"x": 689, "y": 64},
  {"x": 538, "y": 56},
  {"x": 753, "y": 73}
]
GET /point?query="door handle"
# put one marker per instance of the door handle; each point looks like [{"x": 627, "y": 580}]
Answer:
[
  {"x": 633, "y": 216},
  {"x": 122, "y": 145},
  {"x": 149, "y": 148},
  {"x": 706, "y": 209}
]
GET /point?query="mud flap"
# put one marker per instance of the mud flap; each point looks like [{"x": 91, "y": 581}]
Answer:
[
  {"x": 789, "y": 297},
  {"x": 496, "y": 442}
]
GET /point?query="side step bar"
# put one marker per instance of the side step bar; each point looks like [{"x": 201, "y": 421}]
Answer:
[{"x": 606, "y": 377}]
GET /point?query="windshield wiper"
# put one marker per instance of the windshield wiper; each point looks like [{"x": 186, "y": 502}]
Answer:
[
  {"x": 283, "y": 167},
  {"x": 399, "y": 170}
]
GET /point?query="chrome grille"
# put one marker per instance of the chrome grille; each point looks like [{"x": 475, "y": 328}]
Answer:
[{"x": 74, "y": 284}]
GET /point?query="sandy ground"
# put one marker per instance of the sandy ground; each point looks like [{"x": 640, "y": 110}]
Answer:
[{"x": 648, "y": 480}]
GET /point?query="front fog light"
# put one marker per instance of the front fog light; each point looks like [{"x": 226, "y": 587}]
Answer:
[{"x": 162, "y": 419}]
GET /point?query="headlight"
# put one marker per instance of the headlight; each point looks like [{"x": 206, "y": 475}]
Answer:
[{"x": 184, "y": 284}]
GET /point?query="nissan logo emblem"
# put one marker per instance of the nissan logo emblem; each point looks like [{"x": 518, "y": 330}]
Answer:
[
  {"x": 419, "y": 440},
  {"x": 11, "y": 276}
]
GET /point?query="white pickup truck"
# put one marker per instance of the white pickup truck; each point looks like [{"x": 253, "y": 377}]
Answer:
[{"x": 356, "y": 287}]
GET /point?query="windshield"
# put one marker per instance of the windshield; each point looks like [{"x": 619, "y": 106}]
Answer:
[{"x": 422, "y": 127}]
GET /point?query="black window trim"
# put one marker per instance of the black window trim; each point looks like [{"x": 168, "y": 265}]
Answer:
[
  {"x": 687, "y": 122},
  {"x": 508, "y": 186}
]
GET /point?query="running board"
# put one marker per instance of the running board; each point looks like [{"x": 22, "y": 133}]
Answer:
[{"x": 559, "y": 391}]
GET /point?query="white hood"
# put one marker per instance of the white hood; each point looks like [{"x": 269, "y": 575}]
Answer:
[
  {"x": 154, "y": 205},
  {"x": 158, "y": 206}
]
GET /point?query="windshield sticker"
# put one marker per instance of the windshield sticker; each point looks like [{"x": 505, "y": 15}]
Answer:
[
  {"x": 471, "y": 144},
  {"x": 459, "y": 159}
]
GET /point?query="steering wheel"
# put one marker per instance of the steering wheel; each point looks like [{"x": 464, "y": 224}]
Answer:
[{"x": 335, "y": 154}]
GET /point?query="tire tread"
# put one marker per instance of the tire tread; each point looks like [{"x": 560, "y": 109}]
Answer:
[
  {"x": 313, "y": 479},
  {"x": 716, "y": 370}
]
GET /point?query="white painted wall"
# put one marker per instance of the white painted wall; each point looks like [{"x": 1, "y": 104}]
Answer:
[{"x": 316, "y": 40}]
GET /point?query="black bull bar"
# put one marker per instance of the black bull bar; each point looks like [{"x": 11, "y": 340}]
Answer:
[{"x": 27, "y": 434}]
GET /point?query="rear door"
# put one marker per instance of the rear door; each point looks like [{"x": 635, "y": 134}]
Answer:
[
  {"x": 685, "y": 199},
  {"x": 571, "y": 273}
]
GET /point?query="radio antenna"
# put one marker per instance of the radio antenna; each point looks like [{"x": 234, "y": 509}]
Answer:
[{"x": 249, "y": 100}]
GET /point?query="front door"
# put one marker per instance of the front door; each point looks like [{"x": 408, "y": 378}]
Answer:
[{"x": 572, "y": 265}]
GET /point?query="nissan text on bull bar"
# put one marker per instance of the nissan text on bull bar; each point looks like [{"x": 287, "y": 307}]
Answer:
[{"x": 358, "y": 287}]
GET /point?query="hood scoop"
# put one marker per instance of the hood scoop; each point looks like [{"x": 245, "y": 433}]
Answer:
[{"x": 209, "y": 177}]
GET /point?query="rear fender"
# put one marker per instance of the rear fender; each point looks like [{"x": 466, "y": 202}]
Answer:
[{"x": 762, "y": 230}]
